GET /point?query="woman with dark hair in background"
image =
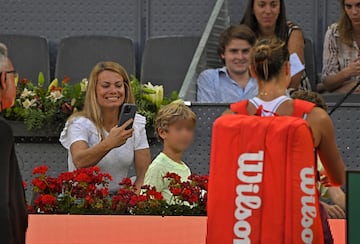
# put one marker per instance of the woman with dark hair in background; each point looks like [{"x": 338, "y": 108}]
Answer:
[
  {"x": 267, "y": 18},
  {"x": 341, "y": 61}
]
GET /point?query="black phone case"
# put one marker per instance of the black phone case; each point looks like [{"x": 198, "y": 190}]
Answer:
[{"x": 127, "y": 112}]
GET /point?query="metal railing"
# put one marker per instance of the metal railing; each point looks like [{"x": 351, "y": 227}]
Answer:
[{"x": 206, "y": 55}]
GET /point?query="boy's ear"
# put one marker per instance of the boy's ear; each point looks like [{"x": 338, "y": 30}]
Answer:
[{"x": 161, "y": 133}]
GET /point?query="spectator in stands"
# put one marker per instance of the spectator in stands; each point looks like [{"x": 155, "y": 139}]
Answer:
[
  {"x": 13, "y": 215},
  {"x": 270, "y": 66},
  {"x": 232, "y": 82},
  {"x": 267, "y": 18},
  {"x": 92, "y": 136},
  {"x": 333, "y": 193},
  {"x": 175, "y": 125},
  {"x": 341, "y": 61}
]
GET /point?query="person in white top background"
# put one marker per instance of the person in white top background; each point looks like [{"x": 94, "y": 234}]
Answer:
[
  {"x": 341, "y": 56},
  {"x": 92, "y": 136}
]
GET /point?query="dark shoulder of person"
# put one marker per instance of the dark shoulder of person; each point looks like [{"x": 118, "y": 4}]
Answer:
[{"x": 6, "y": 134}]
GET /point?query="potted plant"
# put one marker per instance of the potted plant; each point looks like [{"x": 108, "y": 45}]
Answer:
[{"x": 41, "y": 110}]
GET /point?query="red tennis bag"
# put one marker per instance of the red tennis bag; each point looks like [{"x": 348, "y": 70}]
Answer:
[{"x": 262, "y": 185}]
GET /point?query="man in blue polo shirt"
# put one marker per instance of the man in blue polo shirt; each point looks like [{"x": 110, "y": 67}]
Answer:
[{"x": 232, "y": 82}]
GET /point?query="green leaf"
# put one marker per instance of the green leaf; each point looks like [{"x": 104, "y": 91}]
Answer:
[
  {"x": 77, "y": 90},
  {"x": 41, "y": 79}
]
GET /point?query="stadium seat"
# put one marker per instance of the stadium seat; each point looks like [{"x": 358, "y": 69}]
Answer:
[
  {"x": 166, "y": 61},
  {"x": 77, "y": 55},
  {"x": 29, "y": 54},
  {"x": 310, "y": 63}
]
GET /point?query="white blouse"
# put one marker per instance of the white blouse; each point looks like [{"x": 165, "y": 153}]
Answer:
[{"x": 117, "y": 161}]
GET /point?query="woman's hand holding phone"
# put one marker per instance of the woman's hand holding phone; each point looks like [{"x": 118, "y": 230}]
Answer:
[{"x": 119, "y": 135}]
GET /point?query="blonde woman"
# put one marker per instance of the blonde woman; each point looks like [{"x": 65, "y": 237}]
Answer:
[{"x": 92, "y": 136}]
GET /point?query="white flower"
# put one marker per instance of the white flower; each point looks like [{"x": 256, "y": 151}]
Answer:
[
  {"x": 154, "y": 94},
  {"x": 73, "y": 101},
  {"x": 55, "y": 95},
  {"x": 29, "y": 103},
  {"x": 26, "y": 93},
  {"x": 84, "y": 84}
]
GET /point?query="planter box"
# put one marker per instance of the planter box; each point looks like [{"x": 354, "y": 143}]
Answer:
[
  {"x": 22, "y": 134},
  {"x": 64, "y": 229},
  {"x": 94, "y": 229}
]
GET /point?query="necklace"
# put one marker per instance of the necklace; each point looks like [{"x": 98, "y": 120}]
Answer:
[
  {"x": 263, "y": 93},
  {"x": 272, "y": 93}
]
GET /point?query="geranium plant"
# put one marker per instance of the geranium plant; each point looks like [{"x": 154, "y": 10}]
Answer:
[
  {"x": 190, "y": 196},
  {"x": 85, "y": 191},
  {"x": 81, "y": 191},
  {"x": 40, "y": 106},
  {"x": 149, "y": 202}
]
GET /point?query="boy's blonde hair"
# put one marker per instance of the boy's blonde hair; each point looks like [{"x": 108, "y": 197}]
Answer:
[{"x": 172, "y": 113}]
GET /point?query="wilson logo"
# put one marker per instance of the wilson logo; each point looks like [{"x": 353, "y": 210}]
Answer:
[
  {"x": 308, "y": 209},
  {"x": 250, "y": 174}
]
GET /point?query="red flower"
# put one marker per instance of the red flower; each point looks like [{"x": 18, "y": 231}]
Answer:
[
  {"x": 65, "y": 177},
  {"x": 54, "y": 88},
  {"x": 95, "y": 169},
  {"x": 66, "y": 79},
  {"x": 89, "y": 200},
  {"x": 24, "y": 81},
  {"x": 52, "y": 184},
  {"x": 126, "y": 182},
  {"x": 104, "y": 192},
  {"x": 45, "y": 200},
  {"x": 193, "y": 199},
  {"x": 175, "y": 191},
  {"x": 151, "y": 192},
  {"x": 40, "y": 170},
  {"x": 38, "y": 183},
  {"x": 48, "y": 199},
  {"x": 24, "y": 184},
  {"x": 45, "y": 203},
  {"x": 82, "y": 177},
  {"x": 142, "y": 198},
  {"x": 158, "y": 196},
  {"x": 107, "y": 176},
  {"x": 91, "y": 188},
  {"x": 30, "y": 209},
  {"x": 187, "y": 192},
  {"x": 200, "y": 180},
  {"x": 133, "y": 200},
  {"x": 173, "y": 176}
]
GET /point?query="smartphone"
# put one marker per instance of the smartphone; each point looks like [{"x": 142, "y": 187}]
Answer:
[{"x": 127, "y": 112}]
